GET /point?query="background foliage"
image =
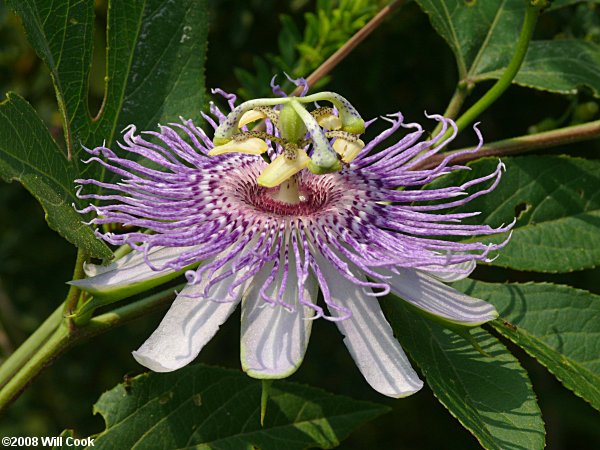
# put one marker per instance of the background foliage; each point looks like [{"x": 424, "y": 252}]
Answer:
[{"x": 548, "y": 305}]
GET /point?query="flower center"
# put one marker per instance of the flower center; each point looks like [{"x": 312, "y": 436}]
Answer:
[
  {"x": 291, "y": 198},
  {"x": 288, "y": 192},
  {"x": 301, "y": 195}
]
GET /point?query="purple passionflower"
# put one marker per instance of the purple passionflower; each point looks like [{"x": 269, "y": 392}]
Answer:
[{"x": 329, "y": 213}]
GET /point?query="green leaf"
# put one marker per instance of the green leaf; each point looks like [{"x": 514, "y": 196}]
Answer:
[
  {"x": 557, "y": 325},
  {"x": 61, "y": 33},
  {"x": 477, "y": 32},
  {"x": 482, "y": 35},
  {"x": 165, "y": 61},
  {"x": 490, "y": 395},
  {"x": 29, "y": 155},
  {"x": 155, "y": 59},
  {"x": 556, "y": 200},
  {"x": 560, "y": 66},
  {"x": 213, "y": 408}
]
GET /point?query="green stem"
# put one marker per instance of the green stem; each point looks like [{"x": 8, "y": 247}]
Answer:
[
  {"x": 61, "y": 337},
  {"x": 34, "y": 342},
  {"x": 264, "y": 398},
  {"x": 49, "y": 350},
  {"x": 73, "y": 296},
  {"x": 122, "y": 251},
  {"x": 531, "y": 16}
]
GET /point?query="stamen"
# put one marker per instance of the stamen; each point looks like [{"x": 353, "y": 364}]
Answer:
[
  {"x": 327, "y": 119},
  {"x": 260, "y": 112},
  {"x": 251, "y": 146},
  {"x": 283, "y": 168},
  {"x": 348, "y": 150}
]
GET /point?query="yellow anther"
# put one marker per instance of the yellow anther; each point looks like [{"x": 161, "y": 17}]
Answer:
[
  {"x": 251, "y": 116},
  {"x": 250, "y": 146},
  {"x": 348, "y": 150},
  {"x": 330, "y": 122},
  {"x": 283, "y": 168}
]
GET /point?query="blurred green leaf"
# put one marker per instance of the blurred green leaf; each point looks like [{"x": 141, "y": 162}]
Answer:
[
  {"x": 326, "y": 29},
  {"x": 483, "y": 34},
  {"x": 556, "y": 4},
  {"x": 213, "y": 408},
  {"x": 556, "y": 200},
  {"x": 557, "y": 325},
  {"x": 490, "y": 395},
  {"x": 29, "y": 155},
  {"x": 155, "y": 61}
]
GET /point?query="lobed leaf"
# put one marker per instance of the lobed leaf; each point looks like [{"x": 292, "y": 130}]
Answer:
[
  {"x": 212, "y": 408},
  {"x": 490, "y": 394},
  {"x": 557, "y": 325}
]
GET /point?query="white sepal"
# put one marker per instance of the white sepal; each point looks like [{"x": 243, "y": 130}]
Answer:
[
  {"x": 190, "y": 324},
  {"x": 452, "y": 272},
  {"x": 129, "y": 271},
  {"x": 370, "y": 339},
  {"x": 439, "y": 299}
]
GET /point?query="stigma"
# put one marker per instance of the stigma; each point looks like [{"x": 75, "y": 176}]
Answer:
[{"x": 321, "y": 140}]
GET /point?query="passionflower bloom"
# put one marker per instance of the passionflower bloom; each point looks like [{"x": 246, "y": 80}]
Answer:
[{"x": 270, "y": 218}]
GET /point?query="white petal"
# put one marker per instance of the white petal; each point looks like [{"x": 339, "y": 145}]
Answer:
[
  {"x": 433, "y": 296},
  {"x": 189, "y": 325},
  {"x": 451, "y": 273},
  {"x": 370, "y": 339},
  {"x": 273, "y": 339},
  {"x": 129, "y": 270}
]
